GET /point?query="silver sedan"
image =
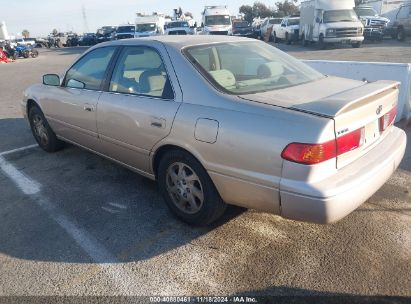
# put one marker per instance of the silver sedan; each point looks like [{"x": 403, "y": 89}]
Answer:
[{"x": 224, "y": 120}]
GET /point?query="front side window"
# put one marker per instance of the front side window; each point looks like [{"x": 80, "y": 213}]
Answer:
[
  {"x": 89, "y": 71},
  {"x": 141, "y": 71},
  {"x": 249, "y": 67}
]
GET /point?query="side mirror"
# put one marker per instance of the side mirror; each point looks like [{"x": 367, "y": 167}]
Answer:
[
  {"x": 51, "y": 80},
  {"x": 318, "y": 20},
  {"x": 75, "y": 84}
]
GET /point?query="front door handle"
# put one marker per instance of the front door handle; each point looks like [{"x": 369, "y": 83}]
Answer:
[{"x": 88, "y": 108}]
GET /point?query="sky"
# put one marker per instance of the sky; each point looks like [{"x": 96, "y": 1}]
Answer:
[{"x": 41, "y": 17}]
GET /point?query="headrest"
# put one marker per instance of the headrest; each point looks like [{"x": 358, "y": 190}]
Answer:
[
  {"x": 270, "y": 70},
  {"x": 224, "y": 78}
]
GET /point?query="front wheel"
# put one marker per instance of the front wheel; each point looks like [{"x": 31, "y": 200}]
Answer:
[
  {"x": 34, "y": 53},
  {"x": 321, "y": 43},
  {"x": 188, "y": 190},
  {"x": 43, "y": 134},
  {"x": 275, "y": 40},
  {"x": 356, "y": 45},
  {"x": 401, "y": 34}
]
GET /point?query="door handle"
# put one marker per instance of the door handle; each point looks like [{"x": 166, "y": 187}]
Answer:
[
  {"x": 88, "y": 108},
  {"x": 158, "y": 122}
]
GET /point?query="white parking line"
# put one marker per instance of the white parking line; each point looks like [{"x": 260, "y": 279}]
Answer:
[
  {"x": 124, "y": 280},
  {"x": 18, "y": 150},
  {"x": 24, "y": 183}
]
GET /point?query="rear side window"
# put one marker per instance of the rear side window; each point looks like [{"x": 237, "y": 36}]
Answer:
[
  {"x": 89, "y": 71},
  {"x": 141, "y": 71}
]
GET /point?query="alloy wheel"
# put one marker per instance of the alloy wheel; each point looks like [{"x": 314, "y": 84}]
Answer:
[
  {"x": 184, "y": 188},
  {"x": 40, "y": 129}
]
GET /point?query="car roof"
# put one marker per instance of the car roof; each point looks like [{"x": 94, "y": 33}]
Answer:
[{"x": 178, "y": 42}]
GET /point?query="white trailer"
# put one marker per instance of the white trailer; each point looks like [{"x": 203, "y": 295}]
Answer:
[
  {"x": 150, "y": 25},
  {"x": 330, "y": 21},
  {"x": 385, "y": 8},
  {"x": 216, "y": 21}
]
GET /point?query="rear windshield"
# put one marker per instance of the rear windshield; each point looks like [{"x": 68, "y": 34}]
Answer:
[
  {"x": 126, "y": 29},
  {"x": 249, "y": 67},
  {"x": 240, "y": 24},
  {"x": 293, "y": 21},
  {"x": 275, "y": 21}
]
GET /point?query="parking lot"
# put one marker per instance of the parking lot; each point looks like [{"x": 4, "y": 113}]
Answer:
[{"x": 72, "y": 223}]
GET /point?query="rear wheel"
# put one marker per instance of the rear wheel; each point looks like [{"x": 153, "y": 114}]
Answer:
[
  {"x": 304, "y": 41},
  {"x": 42, "y": 132},
  {"x": 188, "y": 190},
  {"x": 287, "y": 38},
  {"x": 400, "y": 34}
]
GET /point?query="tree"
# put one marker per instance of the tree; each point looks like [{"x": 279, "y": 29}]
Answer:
[
  {"x": 261, "y": 10},
  {"x": 247, "y": 10},
  {"x": 287, "y": 8},
  {"x": 25, "y": 33},
  {"x": 188, "y": 14}
]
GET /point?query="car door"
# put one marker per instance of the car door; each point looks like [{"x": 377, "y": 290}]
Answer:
[
  {"x": 407, "y": 23},
  {"x": 71, "y": 108},
  {"x": 140, "y": 104}
]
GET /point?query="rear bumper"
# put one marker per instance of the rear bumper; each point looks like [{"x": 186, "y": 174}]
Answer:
[{"x": 351, "y": 186}]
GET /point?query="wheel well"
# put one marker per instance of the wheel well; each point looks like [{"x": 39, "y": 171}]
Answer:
[
  {"x": 31, "y": 103},
  {"x": 162, "y": 151}
]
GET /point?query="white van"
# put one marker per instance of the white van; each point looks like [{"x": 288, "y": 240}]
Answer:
[{"x": 216, "y": 21}]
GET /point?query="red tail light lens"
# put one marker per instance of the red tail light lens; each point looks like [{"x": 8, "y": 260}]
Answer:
[
  {"x": 388, "y": 119},
  {"x": 311, "y": 154}
]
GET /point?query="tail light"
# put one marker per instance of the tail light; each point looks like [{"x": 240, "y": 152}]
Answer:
[
  {"x": 311, "y": 154},
  {"x": 388, "y": 119}
]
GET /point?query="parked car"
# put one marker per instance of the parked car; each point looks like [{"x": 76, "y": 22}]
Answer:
[
  {"x": 242, "y": 28},
  {"x": 219, "y": 120},
  {"x": 178, "y": 28},
  {"x": 402, "y": 23},
  {"x": 268, "y": 23},
  {"x": 375, "y": 26},
  {"x": 287, "y": 30},
  {"x": 126, "y": 31},
  {"x": 88, "y": 39}
]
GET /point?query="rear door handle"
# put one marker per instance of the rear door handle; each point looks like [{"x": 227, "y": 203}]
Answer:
[
  {"x": 157, "y": 122},
  {"x": 88, "y": 108}
]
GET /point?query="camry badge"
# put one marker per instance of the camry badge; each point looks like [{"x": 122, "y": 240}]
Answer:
[{"x": 379, "y": 110}]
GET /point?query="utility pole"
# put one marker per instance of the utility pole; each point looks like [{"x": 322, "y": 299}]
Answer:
[{"x": 85, "y": 23}]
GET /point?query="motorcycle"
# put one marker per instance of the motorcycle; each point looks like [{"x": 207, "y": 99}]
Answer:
[{"x": 26, "y": 51}]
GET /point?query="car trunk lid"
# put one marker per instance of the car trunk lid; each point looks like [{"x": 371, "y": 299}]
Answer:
[{"x": 353, "y": 106}]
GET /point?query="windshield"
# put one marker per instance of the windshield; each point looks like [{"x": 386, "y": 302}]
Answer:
[
  {"x": 126, "y": 29},
  {"x": 293, "y": 21},
  {"x": 217, "y": 20},
  {"x": 275, "y": 21},
  {"x": 177, "y": 24},
  {"x": 340, "y": 16},
  {"x": 249, "y": 67},
  {"x": 240, "y": 24},
  {"x": 146, "y": 27},
  {"x": 365, "y": 11}
]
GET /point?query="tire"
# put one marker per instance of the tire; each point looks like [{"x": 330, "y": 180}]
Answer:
[
  {"x": 15, "y": 56},
  {"x": 42, "y": 132},
  {"x": 179, "y": 176},
  {"x": 287, "y": 39},
  {"x": 34, "y": 53},
  {"x": 356, "y": 45},
  {"x": 26, "y": 54},
  {"x": 401, "y": 34},
  {"x": 275, "y": 38},
  {"x": 321, "y": 44},
  {"x": 304, "y": 41}
]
